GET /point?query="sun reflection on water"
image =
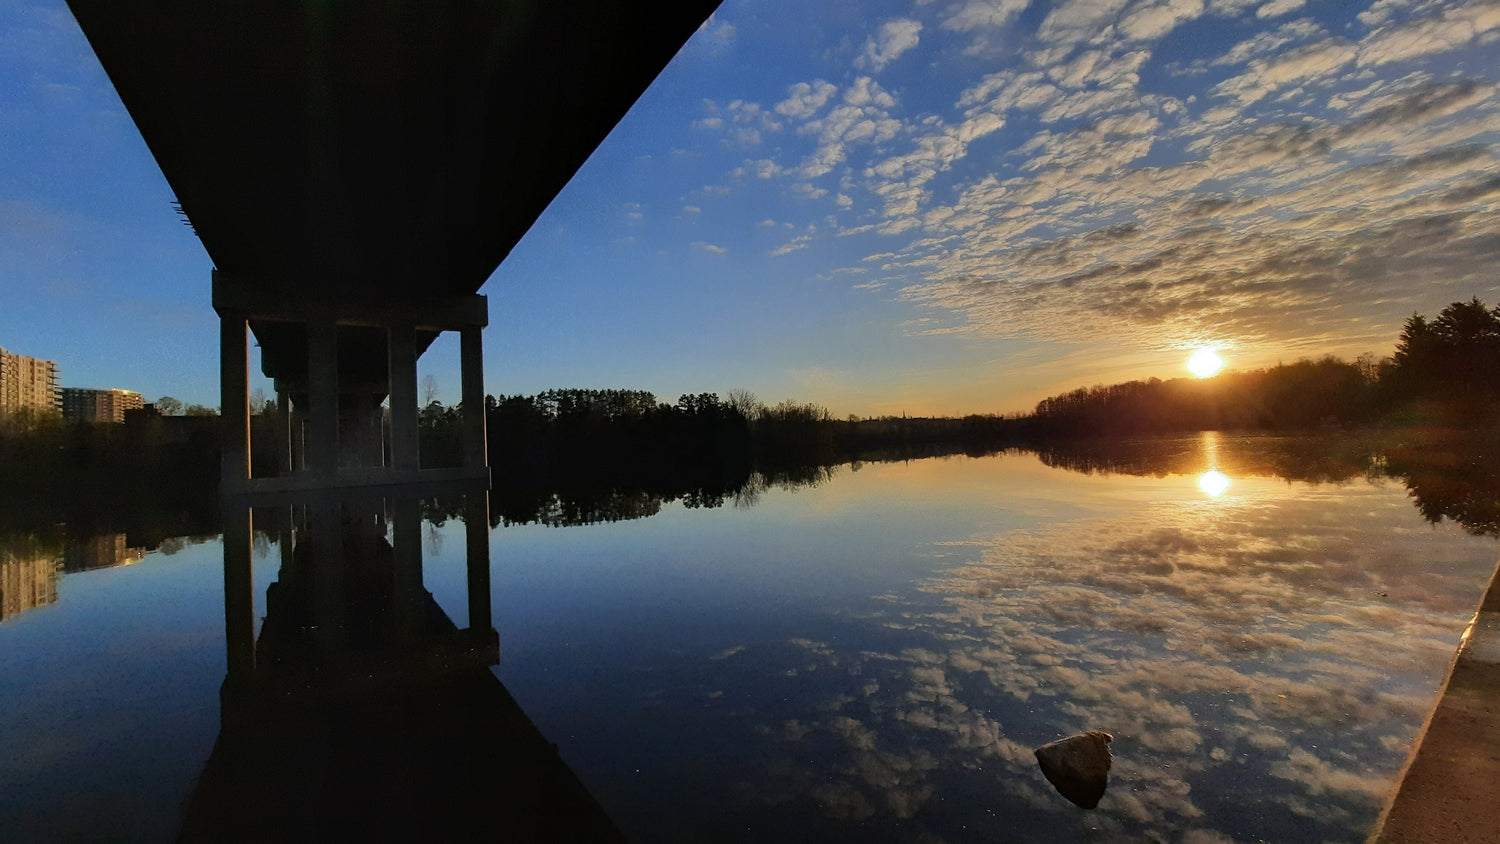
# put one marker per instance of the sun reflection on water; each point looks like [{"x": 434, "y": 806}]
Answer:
[{"x": 1213, "y": 482}]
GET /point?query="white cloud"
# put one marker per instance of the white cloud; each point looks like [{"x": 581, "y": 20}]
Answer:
[
  {"x": 1314, "y": 62},
  {"x": 763, "y": 168},
  {"x": 808, "y": 190},
  {"x": 1451, "y": 30},
  {"x": 801, "y": 241},
  {"x": 861, "y": 118},
  {"x": 1381, "y": 11},
  {"x": 1271, "y": 41},
  {"x": 805, "y": 99},
  {"x": 895, "y": 38},
  {"x": 1151, "y": 19},
  {"x": 982, "y": 14},
  {"x": 1073, "y": 21},
  {"x": 1277, "y": 8},
  {"x": 708, "y": 247}
]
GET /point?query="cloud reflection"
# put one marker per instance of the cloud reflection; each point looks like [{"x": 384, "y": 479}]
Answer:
[{"x": 1263, "y": 662}]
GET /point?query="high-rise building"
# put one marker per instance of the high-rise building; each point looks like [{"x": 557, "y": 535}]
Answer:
[
  {"x": 28, "y": 383},
  {"x": 82, "y": 404}
]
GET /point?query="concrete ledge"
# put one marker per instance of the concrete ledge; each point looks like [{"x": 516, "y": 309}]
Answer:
[
  {"x": 241, "y": 296},
  {"x": 378, "y": 482},
  {"x": 1451, "y": 788}
]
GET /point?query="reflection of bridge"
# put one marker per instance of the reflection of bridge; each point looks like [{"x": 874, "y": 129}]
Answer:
[
  {"x": 361, "y": 711},
  {"x": 356, "y": 171}
]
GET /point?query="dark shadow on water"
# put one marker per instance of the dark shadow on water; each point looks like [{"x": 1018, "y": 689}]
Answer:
[{"x": 362, "y": 711}]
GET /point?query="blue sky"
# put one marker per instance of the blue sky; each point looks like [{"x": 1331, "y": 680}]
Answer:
[{"x": 945, "y": 206}]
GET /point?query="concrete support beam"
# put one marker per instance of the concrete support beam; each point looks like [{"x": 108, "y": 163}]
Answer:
[
  {"x": 448, "y": 314},
  {"x": 367, "y": 418},
  {"x": 476, "y": 449},
  {"x": 299, "y": 436},
  {"x": 283, "y": 433},
  {"x": 403, "y": 373},
  {"x": 234, "y": 400},
  {"x": 323, "y": 397}
]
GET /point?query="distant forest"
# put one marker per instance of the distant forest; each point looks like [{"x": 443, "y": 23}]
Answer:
[
  {"x": 1445, "y": 371},
  {"x": 577, "y": 444}
]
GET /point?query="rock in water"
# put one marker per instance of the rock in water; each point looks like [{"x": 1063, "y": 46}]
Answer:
[{"x": 1078, "y": 766}]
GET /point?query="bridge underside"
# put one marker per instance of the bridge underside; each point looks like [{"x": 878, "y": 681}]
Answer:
[
  {"x": 334, "y": 364},
  {"x": 356, "y": 169}
]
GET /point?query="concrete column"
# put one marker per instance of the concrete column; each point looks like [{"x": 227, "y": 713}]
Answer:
[
  {"x": 477, "y": 534},
  {"x": 299, "y": 432},
  {"x": 239, "y": 593},
  {"x": 403, "y": 375},
  {"x": 323, "y": 397},
  {"x": 234, "y": 401},
  {"x": 284, "y": 432},
  {"x": 476, "y": 450},
  {"x": 368, "y": 412}
]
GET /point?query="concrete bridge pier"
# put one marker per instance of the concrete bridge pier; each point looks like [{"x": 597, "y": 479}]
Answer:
[{"x": 334, "y": 363}]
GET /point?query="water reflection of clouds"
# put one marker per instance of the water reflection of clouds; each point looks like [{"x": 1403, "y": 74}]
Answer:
[{"x": 1263, "y": 661}]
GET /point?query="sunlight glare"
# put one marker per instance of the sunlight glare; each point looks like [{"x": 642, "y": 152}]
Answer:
[
  {"x": 1204, "y": 363},
  {"x": 1213, "y": 482}
]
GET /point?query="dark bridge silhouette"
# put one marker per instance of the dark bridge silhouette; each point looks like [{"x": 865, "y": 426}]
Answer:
[
  {"x": 362, "y": 711},
  {"x": 356, "y": 170}
]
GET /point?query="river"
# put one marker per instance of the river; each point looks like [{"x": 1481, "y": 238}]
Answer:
[{"x": 868, "y": 655}]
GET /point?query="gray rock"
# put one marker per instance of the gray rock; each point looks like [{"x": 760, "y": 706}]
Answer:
[{"x": 1078, "y": 766}]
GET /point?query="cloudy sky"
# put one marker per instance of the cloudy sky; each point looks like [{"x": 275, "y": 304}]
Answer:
[{"x": 928, "y": 206}]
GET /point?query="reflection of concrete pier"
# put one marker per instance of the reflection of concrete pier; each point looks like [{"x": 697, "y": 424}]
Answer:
[{"x": 362, "y": 711}]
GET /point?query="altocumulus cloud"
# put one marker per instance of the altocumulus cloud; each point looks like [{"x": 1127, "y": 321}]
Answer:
[{"x": 1310, "y": 185}]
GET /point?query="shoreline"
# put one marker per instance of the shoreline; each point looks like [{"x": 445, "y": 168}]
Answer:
[{"x": 1450, "y": 788}]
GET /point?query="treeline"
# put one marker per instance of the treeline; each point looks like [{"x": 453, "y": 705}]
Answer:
[
  {"x": 100, "y": 476},
  {"x": 629, "y": 433},
  {"x": 1444, "y": 371},
  {"x": 563, "y": 447}
]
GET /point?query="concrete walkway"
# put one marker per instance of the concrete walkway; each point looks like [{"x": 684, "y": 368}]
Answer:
[{"x": 1451, "y": 790}]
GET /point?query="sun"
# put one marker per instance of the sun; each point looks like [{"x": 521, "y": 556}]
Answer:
[{"x": 1205, "y": 363}]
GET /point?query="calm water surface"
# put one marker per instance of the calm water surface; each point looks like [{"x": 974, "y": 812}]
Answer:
[{"x": 869, "y": 659}]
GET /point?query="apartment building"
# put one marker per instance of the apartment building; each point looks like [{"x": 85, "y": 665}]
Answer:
[
  {"x": 83, "y": 404},
  {"x": 28, "y": 383}
]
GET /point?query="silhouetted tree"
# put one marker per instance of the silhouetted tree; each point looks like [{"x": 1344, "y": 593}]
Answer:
[{"x": 1453, "y": 360}]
